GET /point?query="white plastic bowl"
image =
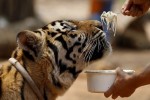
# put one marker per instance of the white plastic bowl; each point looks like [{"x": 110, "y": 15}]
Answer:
[{"x": 99, "y": 81}]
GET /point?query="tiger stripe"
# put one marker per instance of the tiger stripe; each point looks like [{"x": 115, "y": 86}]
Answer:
[
  {"x": 22, "y": 92},
  {"x": 62, "y": 41},
  {"x": 70, "y": 50},
  {"x": 54, "y": 49}
]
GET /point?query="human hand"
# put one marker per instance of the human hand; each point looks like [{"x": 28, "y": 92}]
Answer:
[
  {"x": 123, "y": 86},
  {"x": 135, "y": 7}
]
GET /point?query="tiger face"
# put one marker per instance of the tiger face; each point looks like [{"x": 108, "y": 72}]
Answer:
[
  {"x": 68, "y": 45},
  {"x": 69, "y": 40}
]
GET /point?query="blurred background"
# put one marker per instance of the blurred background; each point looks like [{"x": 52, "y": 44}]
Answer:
[{"x": 131, "y": 45}]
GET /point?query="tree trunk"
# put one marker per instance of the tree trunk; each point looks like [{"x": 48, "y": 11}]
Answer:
[{"x": 16, "y": 10}]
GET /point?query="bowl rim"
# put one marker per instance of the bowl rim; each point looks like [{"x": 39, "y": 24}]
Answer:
[{"x": 107, "y": 71}]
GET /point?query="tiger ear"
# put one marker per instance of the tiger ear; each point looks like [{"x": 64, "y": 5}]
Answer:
[{"x": 28, "y": 40}]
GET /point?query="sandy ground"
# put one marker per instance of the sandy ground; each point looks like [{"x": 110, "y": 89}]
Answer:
[
  {"x": 126, "y": 60},
  {"x": 79, "y": 92}
]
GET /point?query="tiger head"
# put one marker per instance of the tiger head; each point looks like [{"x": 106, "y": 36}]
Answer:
[
  {"x": 66, "y": 40},
  {"x": 67, "y": 44}
]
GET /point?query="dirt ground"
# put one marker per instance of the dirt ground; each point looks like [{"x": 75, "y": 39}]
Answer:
[{"x": 127, "y": 60}]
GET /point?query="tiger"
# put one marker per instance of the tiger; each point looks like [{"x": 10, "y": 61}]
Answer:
[{"x": 54, "y": 56}]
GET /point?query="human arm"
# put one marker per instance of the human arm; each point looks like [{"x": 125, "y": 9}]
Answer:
[
  {"x": 135, "y": 7},
  {"x": 125, "y": 85},
  {"x": 143, "y": 77}
]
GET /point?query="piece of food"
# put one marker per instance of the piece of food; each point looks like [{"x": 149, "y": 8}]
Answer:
[{"x": 110, "y": 19}]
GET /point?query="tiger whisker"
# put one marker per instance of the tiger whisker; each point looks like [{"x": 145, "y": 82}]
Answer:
[
  {"x": 84, "y": 50},
  {"x": 90, "y": 53},
  {"x": 87, "y": 47}
]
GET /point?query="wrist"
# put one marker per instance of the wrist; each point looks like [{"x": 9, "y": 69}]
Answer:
[{"x": 134, "y": 81}]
